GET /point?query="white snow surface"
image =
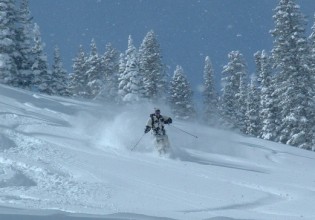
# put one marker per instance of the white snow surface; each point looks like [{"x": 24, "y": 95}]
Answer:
[{"x": 71, "y": 159}]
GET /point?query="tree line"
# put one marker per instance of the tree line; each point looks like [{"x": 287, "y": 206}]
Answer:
[
  {"x": 135, "y": 75},
  {"x": 276, "y": 103}
]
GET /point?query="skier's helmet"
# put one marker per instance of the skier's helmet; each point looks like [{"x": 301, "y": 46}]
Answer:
[{"x": 157, "y": 111}]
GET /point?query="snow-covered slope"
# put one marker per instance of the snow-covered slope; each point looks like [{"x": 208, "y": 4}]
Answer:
[{"x": 69, "y": 159}]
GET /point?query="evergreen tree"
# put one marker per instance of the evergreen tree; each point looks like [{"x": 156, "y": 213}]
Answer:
[
  {"x": 24, "y": 39},
  {"x": 121, "y": 78},
  {"x": 59, "y": 84},
  {"x": 312, "y": 64},
  {"x": 8, "y": 68},
  {"x": 42, "y": 77},
  {"x": 252, "y": 112},
  {"x": 130, "y": 84},
  {"x": 210, "y": 96},
  {"x": 78, "y": 79},
  {"x": 242, "y": 98},
  {"x": 268, "y": 103},
  {"x": 181, "y": 96},
  {"x": 233, "y": 98},
  {"x": 110, "y": 66},
  {"x": 151, "y": 68},
  {"x": 94, "y": 73},
  {"x": 295, "y": 88},
  {"x": 312, "y": 49}
]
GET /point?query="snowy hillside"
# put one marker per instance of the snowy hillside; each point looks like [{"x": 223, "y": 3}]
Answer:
[{"x": 69, "y": 159}]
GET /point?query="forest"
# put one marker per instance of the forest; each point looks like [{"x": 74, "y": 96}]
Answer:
[{"x": 276, "y": 104}]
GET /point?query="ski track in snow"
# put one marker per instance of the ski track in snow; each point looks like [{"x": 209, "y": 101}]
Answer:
[{"x": 57, "y": 154}]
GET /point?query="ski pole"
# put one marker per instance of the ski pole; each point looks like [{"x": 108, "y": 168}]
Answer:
[
  {"x": 134, "y": 147},
  {"x": 184, "y": 131}
]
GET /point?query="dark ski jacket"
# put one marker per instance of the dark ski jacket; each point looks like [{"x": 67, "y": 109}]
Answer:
[{"x": 156, "y": 123}]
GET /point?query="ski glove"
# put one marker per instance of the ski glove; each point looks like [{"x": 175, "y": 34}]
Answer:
[
  {"x": 147, "y": 129},
  {"x": 168, "y": 121}
]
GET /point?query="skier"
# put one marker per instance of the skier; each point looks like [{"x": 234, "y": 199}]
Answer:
[{"x": 156, "y": 123}]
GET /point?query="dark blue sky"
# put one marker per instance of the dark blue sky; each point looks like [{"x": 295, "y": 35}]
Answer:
[{"x": 187, "y": 30}]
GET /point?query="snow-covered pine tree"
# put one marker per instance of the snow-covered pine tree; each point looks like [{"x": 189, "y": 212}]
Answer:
[
  {"x": 151, "y": 68},
  {"x": 121, "y": 78},
  {"x": 210, "y": 96},
  {"x": 295, "y": 87},
  {"x": 268, "y": 103},
  {"x": 130, "y": 84},
  {"x": 42, "y": 77},
  {"x": 242, "y": 97},
  {"x": 233, "y": 99},
  {"x": 181, "y": 96},
  {"x": 252, "y": 112},
  {"x": 78, "y": 79},
  {"x": 110, "y": 67},
  {"x": 311, "y": 40},
  {"x": 24, "y": 43},
  {"x": 95, "y": 75},
  {"x": 312, "y": 64},
  {"x": 60, "y": 79},
  {"x": 8, "y": 52}
]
